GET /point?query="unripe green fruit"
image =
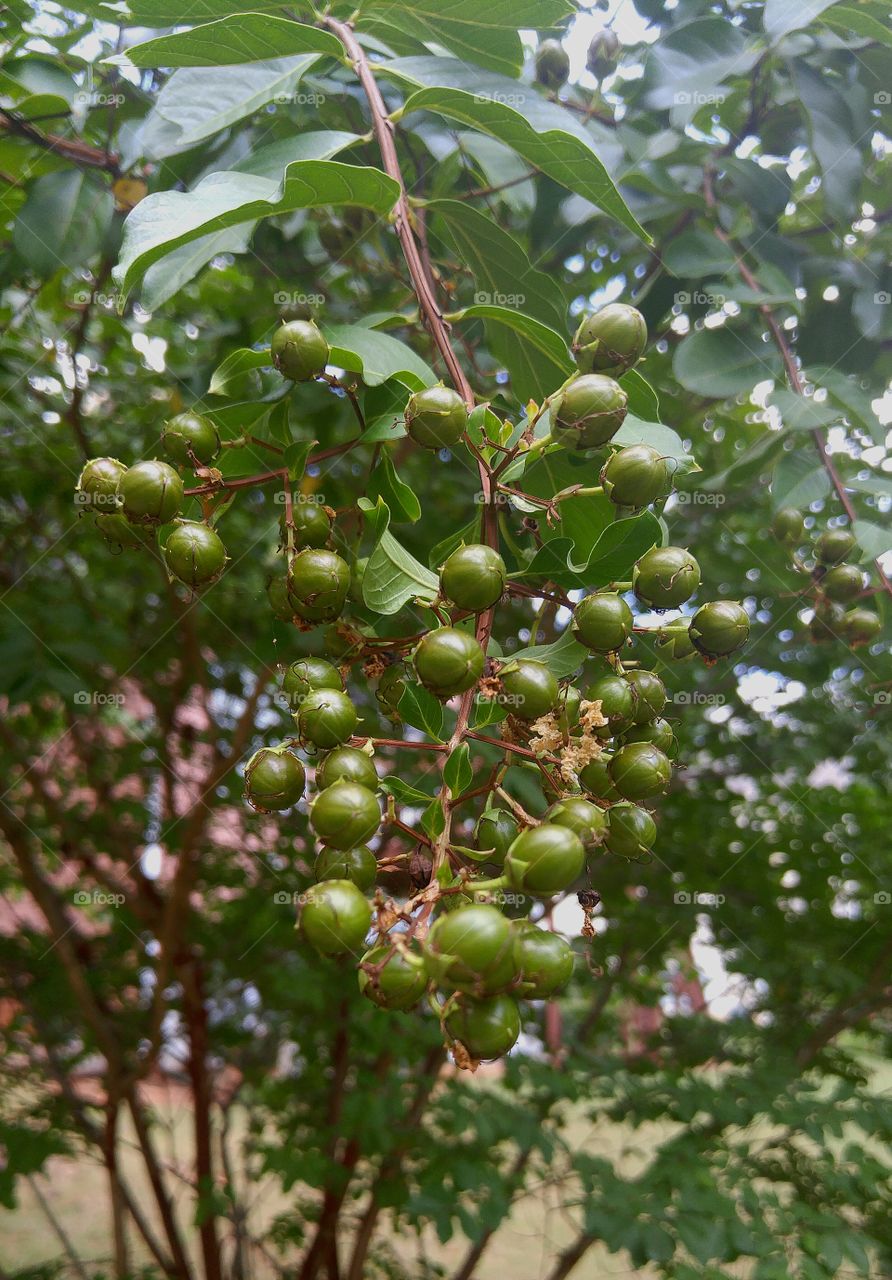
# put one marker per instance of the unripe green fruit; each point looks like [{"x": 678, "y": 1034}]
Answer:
[
  {"x": 658, "y": 732},
  {"x": 826, "y": 623},
  {"x": 636, "y": 476},
  {"x": 274, "y": 779},
  {"x": 400, "y": 984},
  {"x": 552, "y": 64},
  {"x": 436, "y": 417},
  {"x": 486, "y": 1028},
  {"x": 97, "y": 485},
  {"x": 470, "y": 949},
  {"x": 567, "y": 709},
  {"x": 545, "y": 859},
  {"x": 611, "y": 341},
  {"x": 532, "y": 688},
  {"x": 580, "y": 815},
  {"x": 391, "y": 687},
  {"x": 118, "y": 532},
  {"x": 150, "y": 493},
  {"x": 861, "y": 626},
  {"x": 358, "y": 864},
  {"x": 448, "y": 661},
  {"x": 719, "y": 628},
  {"x": 495, "y": 831},
  {"x": 631, "y": 831},
  {"x": 318, "y": 582},
  {"x": 665, "y": 577},
  {"x": 589, "y": 413},
  {"x": 617, "y": 703},
  {"x": 675, "y": 641},
  {"x": 312, "y": 525},
  {"x": 639, "y": 771},
  {"x": 195, "y": 554},
  {"x": 788, "y": 525},
  {"x": 299, "y": 350},
  {"x": 345, "y": 815},
  {"x": 335, "y": 917},
  {"x": 833, "y": 546},
  {"x": 326, "y": 718},
  {"x": 307, "y": 674},
  {"x": 280, "y": 602},
  {"x": 473, "y": 577},
  {"x": 189, "y": 438},
  {"x": 603, "y": 622},
  {"x": 843, "y": 583},
  {"x": 602, "y": 51},
  {"x": 544, "y": 960},
  {"x": 649, "y": 694},
  {"x": 595, "y": 779},
  {"x": 347, "y": 764}
]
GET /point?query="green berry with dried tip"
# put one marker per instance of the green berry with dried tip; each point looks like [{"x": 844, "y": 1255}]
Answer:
[
  {"x": 471, "y": 950},
  {"x": 580, "y": 815},
  {"x": 530, "y": 687},
  {"x": 150, "y": 493},
  {"x": 545, "y": 859},
  {"x": 97, "y": 485},
  {"x": 636, "y": 476},
  {"x": 119, "y": 533},
  {"x": 312, "y": 525},
  {"x": 617, "y": 701},
  {"x": 335, "y": 917},
  {"x": 665, "y": 577},
  {"x": 610, "y": 341},
  {"x": 448, "y": 661},
  {"x": 299, "y": 351},
  {"x": 486, "y": 1028},
  {"x": 842, "y": 583},
  {"x": 190, "y": 438},
  {"x": 649, "y": 694},
  {"x": 544, "y": 961},
  {"x": 833, "y": 546},
  {"x": 631, "y": 831},
  {"x": 326, "y": 718},
  {"x": 345, "y": 814},
  {"x": 494, "y": 832},
  {"x": 473, "y": 577},
  {"x": 640, "y": 771},
  {"x": 788, "y": 525},
  {"x": 390, "y": 688},
  {"x": 347, "y": 764},
  {"x": 318, "y": 582},
  {"x": 436, "y": 418},
  {"x": 552, "y": 64},
  {"x": 399, "y": 982},
  {"x": 861, "y": 626},
  {"x": 306, "y": 674},
  {"x": 594, "y": 777},
  {"x": 603, "y": 622},
  {"x": 358, "y": 864},
  {"x": 280, "y": 601},
  {"x": 719, "y": 628},
  {"x": 274, "y": 779},
  {"x": 195, "y": 554},
  {"x": 602, "y": 53},
  {"x": 589, "y": 412}
]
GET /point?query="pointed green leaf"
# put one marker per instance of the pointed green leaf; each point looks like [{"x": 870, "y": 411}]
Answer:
[
  {"x": 242, "y": 37},
  {"x": 392, "y": 576}
]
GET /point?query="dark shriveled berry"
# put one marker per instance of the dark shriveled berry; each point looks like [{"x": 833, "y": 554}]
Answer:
[
  {"x": 448, "y": 661},
  {"x": 640, "y": 771},
  {"x": 631, "y": 831},
  {"x": 473, "y": 577},
  {"x": 719, "y": 628},
  {"x": 603, "y": 622},
  {"x": 190, "y": 438},
  {"x": 636, "y": 476},
  {"x": 545, "y": 859},
  {"x": 345, "y": 815},
  {"x": 347, "y": 764},
  {"x": 552, "y": 64},
  {"x": 665, "y": 577},
  {"x": 589, "y": 413},
  {"x": 358, "y": 864},
  {"x": 436, "y": 417},
  {"x": 833, "y": 546},
  {"x": 318, "y": 582},
  {"x": 544, "y": 960},
  {"x": 299, "y": 351},
  {"x": 531, "y": 689},
  {"x": 399, "y": 983},
  {"x": 150, "y": 493},
  {"x": 195, "y": 554},
  {"x": 486, "y": 1028},
  {"x": 611, "y": 341},
  {"x": 326, "y": 718},
  {"x": 274, "y": 779},
  {"x": 335, "y": 917}
]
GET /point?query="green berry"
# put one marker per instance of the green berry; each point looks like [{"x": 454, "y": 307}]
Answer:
[
  {"x": 603, "y": 622},
  {"x": 788, "y": 525},
  {"x": 97, "y": 485},
  {"x": 486, "y": 1028},
  {"x": 470, "y": 949},
  {"x": 326, "y": 718},
  {"x": 494, "y": 833},
  {"x": 833, "y": 546},
  {"x": 150, "y": 493},
  {"x": 602, "y": 53},
  {"x": 611, "y": 341},
  {"x": 675, "y": 641},
  {"x": 665, "y": 577},
  {"x": 617, "y": 701},
  {"x": 473, "y": 577},
  {"x": 312, "y": 525},
  {"x": 391, "y": 687},
  {"x": 827, "y": 622},
  {"x": 318, "y": 582},
  {"x": 544, "y": 960},
  {"x": 594, "y": 777},
  {"x": 335, "y": 917},
  {"x": 531, "y": 688},
  {"x": 399, "y": 984},
  {"x": 190, "y": 438},
  {"x": 345, "y": 815},
  {"x": 580, "y": 815},
  {"x": 649, "y": 694},
  {"x": 658, "y": 732},
  {"x": 195, "y": 554},
  {"x": 307, "y": 674},
  {"x": 631, "y": 831},
  {"x": 861, "y": 626},
  {"x": 436, "y": 417},
  {"x": 568, "y": 707},
  {"x": 448, "y": 661},
  {"x": 719, "y": 628},
  {"x": 119, "y": 533},
  {"x": 545, "y": 860},
  {"x": 299, "y": 350},
  {"x": 636, "y": 476},
  {"x": 358, "y": 864},
  {"x": 347, "y": 764},
  {"x": 842, "y": 583},
  {"x": 274, "y": 779},
  {"x": 639, "y": 771},
  {"x": 589, "y": 413},
  {"x": 552, "y": 64}
]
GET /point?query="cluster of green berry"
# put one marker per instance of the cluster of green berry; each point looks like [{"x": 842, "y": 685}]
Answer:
[{"x": 833, "y": 584}]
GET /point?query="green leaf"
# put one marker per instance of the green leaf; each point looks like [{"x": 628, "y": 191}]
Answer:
[
  {"x": 798, "y": 481},
  {"x": 457, "y": 772},
  {"x": 856, "y": 403},
  {"x": 166, "y": 277},
  {"x": 63, "y": 221},
  {"x": 835, "y": 137},
  {"x": 873, "y": 539},
  {"x": 643, "y": 400},
  {"x": 295, "y": 456},
  {"x": 698, "y": 253},
  {"x": 562, "y": 658},
  {"x": 433, "y": 820},
  {"x": 724, "y": 362},
  {"x": 403, "y": 791},
  {"x": 532, "y": 379},
  {"x": 376, "y": 356},
  {"x": 226, "y": 376},
  {"x": 685, "y": 68},
  {"x": 317, "y": 144},
  {"x": 780, "y": 17},
  {"x": 167, "y": 219},
  {"x": 610, "y": 560},
  {"x": 392, "y": 576},
  {"x": 243, "y": 37},
  {"x": 669, "y": 443},
  {"x": 543, "y": 133},
  {"x": 803, "y": 413},
  {"x": 169, "y": 13},
  {"x": 444, "y": 548},
  {"x": 849, "y": 19},
  {"x": 421, "y": 709},
  {"x": 385, "y": 483}
]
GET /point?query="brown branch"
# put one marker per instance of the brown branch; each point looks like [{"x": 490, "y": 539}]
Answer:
[
  {"x": 70, "y": 148},
  {"x": 195, "y": 1018}
]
